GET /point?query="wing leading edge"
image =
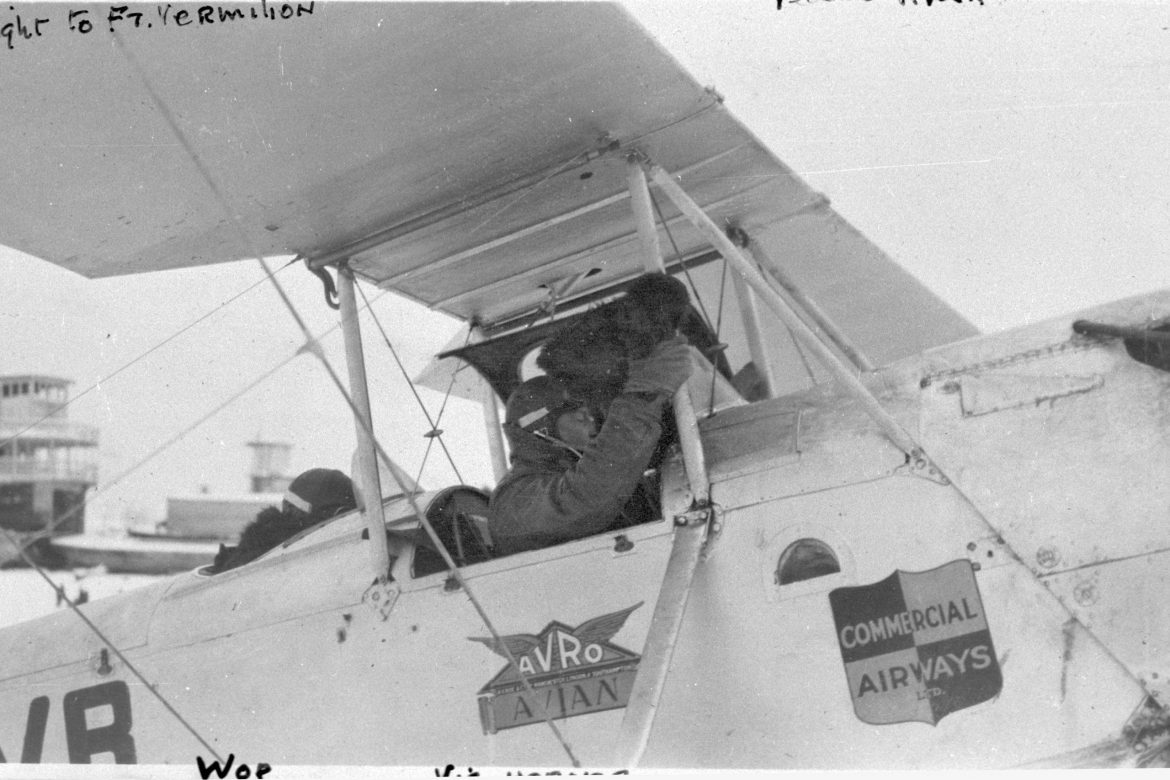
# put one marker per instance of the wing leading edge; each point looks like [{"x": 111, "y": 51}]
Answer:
[{"x": 466, "y": 156}]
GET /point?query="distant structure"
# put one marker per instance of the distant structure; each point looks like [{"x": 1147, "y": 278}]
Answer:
[
  {"x": 47, "y": 462},
  {"x": 195, "y": 524},
  {"x": 221, "y": 516},
  {"x": 270, "y": 466}
]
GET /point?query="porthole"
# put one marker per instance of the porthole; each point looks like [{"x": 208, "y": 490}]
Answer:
[{"x": 806, "y": 559}]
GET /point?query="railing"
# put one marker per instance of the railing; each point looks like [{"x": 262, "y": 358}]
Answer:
[
  {"x": 12, "y": 470},
  {"x": 77, "y": 433}
]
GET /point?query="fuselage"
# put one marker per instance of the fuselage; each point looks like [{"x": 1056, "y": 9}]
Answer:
[{"x": 1026, "y": 553}]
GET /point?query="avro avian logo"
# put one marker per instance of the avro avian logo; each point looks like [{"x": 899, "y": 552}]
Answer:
[{"x": 573, "y": 671}]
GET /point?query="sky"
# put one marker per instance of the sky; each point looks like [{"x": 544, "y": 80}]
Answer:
[{"x": 1011, "y": 155}]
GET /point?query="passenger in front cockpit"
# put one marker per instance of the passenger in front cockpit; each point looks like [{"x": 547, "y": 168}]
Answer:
[
  {"x": 313, "y": 497},
  {"x": 571, "y": 477}
]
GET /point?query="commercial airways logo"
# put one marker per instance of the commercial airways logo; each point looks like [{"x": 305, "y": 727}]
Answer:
[
  {"x": 573, "y": 671},
  {"x": 916, "y": 645}
]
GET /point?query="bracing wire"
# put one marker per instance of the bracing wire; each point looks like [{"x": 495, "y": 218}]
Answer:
[
  {"x": 718, "y": 327},
  {"x": 311, "y": 345},
  {"x": 800, "y": 352},
  {"x": 108, "y": 484},
  {"x": 524, "y": 193},
  {"x": 422, "y": 466},
  {"x": 681, "y": 262},
  {"x": 439, "y": 416},
  {"x": 585, "y": 155},
  {"x": 22, "y": 545},
  {"x": 434, "y": 429},
  {"x": 140, "y": 357},
  {"x": 105, "y": 640}
]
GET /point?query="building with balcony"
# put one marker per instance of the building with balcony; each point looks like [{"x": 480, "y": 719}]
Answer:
[{"x": 47, "y": 462}]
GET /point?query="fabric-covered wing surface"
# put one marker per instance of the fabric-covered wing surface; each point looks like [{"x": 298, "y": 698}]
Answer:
[{"x": 463, "y": 155}]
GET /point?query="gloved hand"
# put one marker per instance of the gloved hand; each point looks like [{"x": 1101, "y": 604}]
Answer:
[{"x": 662, "y": 371}]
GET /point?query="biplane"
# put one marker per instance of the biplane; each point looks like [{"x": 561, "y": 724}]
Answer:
[{"x": 933, "y": 548}]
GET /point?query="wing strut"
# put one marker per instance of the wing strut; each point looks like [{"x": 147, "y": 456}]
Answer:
[
  {"x": 313, "y": 347},
  {"x": 756, "y": 280},
  {"x": 369, "y": 481},
  {"x": 491, "y": 421},
  {"x": 684, "y": 408},
  {"x": 689, "y": 534},
  {"x": 818, "y": 321},
  {"x": 692, "y": 526},
  {"x": 754, "y": 333}
]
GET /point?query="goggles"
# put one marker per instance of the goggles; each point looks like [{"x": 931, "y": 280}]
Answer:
[{"x": 542, "y": 419}]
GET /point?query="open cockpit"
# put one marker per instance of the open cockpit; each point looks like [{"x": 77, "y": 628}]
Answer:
[{"x": 779, "y": 601}]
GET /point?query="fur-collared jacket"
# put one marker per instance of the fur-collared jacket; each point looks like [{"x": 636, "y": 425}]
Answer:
[{"x": 550, "y": 496}]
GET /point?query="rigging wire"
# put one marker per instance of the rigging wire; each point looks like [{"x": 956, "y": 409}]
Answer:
[
  {"x": 410, "y": 383},
  {"x": 311, "y": 345},
  {"x": 105, "y": 640},
  {"x": 22, "y": 545},
  {"x": 439, "y": 417},
  {"x": 800, "y": 353},
  {"x": 580, "y": 157},
  {"x": 718, "y": 326},
  {"x": 584, "y": 156},
  {"x": 607, "y": 146},
  {"x": 140, "y": 357},
  {"x": 55, "y": 522},
  {"x": 678, "y": 254},
  {"x": 47, "y": 531}
]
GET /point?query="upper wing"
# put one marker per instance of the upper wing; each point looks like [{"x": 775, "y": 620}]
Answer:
[{"x": 465, "y": 155}]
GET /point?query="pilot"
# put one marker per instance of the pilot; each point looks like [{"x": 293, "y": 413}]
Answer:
[
  {"x": 570, "y": 476},
  {"x": 314, "y": 496}
]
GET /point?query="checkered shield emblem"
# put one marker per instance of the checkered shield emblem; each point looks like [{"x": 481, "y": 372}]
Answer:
[{"x": 916, "y": 645}]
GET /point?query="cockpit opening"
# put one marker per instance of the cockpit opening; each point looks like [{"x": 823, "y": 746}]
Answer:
[{"x": 459, "y": 516}]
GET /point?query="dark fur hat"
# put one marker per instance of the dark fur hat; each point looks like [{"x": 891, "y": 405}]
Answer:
[
  {"x": 320, "y": 494},
  {"x": 315, "y": 495},
  {"x": 270, "y": 528},
  {"x": 591, "y": 356}
]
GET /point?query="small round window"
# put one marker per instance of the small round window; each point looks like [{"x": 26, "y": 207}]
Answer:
[{"x": 806, "y": 559}]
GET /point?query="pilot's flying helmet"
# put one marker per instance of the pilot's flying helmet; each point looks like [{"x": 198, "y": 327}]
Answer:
[
  {"x": 535, "y": 405},
  {"x": 320, "y": 493}
]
